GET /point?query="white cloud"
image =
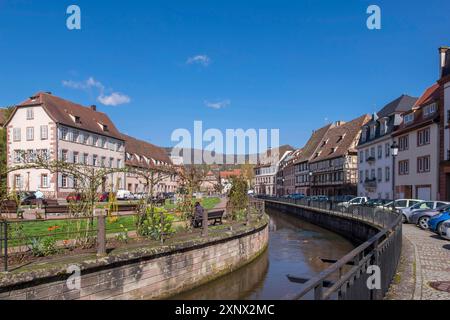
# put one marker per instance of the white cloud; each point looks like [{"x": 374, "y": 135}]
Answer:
[
  {"x": 203, "y": 60},
  {"x": 218, "y": 104},
  {"x": 113, "y": 99}
]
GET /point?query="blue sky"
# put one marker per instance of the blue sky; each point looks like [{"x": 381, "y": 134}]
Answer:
[{"x": 291, "y": 65}]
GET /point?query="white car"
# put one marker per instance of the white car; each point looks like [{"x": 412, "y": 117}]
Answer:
[
  {"x": 124, "y": 195},
  {"x": 354, "y": 202},
  {"x": 402, "y": 203},
  {"x": 444, "y": 230}
]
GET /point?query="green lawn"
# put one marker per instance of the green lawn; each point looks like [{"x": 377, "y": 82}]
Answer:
[{"x": 65, "y": 228}]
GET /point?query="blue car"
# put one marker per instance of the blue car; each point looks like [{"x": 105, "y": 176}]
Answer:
[
  {"x": 297, "y": 196},
  {"x": 436, "y": 221}
]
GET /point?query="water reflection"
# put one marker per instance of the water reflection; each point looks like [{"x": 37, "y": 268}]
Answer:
[{"x": 295, "y": 248}]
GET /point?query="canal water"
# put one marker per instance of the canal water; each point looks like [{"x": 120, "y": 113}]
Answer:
[{"x": 295, "y": 248}]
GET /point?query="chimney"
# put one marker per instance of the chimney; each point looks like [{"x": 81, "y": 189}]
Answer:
[
  {"x": 93, "y": 107},
  {"x": 338, "y": 123},
  {"x": 442, "y": 59}
]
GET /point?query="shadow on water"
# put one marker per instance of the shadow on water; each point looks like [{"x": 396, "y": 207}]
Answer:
[{"x": 295, "y": 247}]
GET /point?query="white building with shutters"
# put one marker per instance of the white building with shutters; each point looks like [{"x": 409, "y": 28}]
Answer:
[{"x": 48, "y": 125}]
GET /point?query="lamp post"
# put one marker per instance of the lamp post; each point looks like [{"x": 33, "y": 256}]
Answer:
[
  {"x": 310, "y": 182},
  {"x": 394, "y": 151}
]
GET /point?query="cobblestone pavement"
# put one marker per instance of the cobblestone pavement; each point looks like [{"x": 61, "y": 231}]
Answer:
[{"x": 431, "y": 263}]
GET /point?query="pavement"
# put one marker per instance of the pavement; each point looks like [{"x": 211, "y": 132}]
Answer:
[{"x": 425, "y": 264}]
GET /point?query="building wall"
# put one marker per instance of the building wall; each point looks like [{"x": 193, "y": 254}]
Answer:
[
  {"x": 408, "y": 185},
  {"x": 381, "y": 189},
  {"x": 444, "y": 175},
  {"x": 31, "y": 179}
]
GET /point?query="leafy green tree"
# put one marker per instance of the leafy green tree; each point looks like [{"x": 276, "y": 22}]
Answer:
[{"x": 238, "y": 197}]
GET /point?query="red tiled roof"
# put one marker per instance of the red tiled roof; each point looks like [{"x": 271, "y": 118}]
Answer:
[
  {"x": 430, "y": 95},
  {"x": 142, "y": 148},
  {"x": 61, "y": 110},
  {"x": 313, "y": 143},
  {"x": 340, "y": 140},
  {"x": 232, "y": 173}
]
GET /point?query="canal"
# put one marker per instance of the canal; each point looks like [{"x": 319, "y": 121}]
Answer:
[{"x": 295, "y": 248}]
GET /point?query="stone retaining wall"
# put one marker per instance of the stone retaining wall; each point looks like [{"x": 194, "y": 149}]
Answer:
[{"x": 143, "y": 274}]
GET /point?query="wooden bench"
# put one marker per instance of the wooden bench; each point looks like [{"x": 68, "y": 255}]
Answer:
[
  {"x": 8, "y": 207},
  {"x": 215, "y": 216},
  {"x": 56, "y": 209}
]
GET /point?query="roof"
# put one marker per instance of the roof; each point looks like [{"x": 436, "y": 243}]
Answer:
[
  {"x": 340, "y": 139},
  {"x": 266, "y": 159},
  {"x": 308, "y": 150},
  {"x": 62, "y": 111},
  {"x": 430, "y": 95},
  {"x": 231, "y": 173},
  {"x": 134, "y": 146},
  {"x": 399, "y": 105}
]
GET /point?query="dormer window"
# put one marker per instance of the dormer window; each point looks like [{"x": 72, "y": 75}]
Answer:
[
  {"x": 324, "y": 143},
  {"x": 372, "y": 131},
  {"x": 333, "y": 150},
  {"x": 383, "y": 127},
  {"x": 104, "y": 127},
  {"x": 75, "y": 119},
  {"x": 409, "y": 118},
  {"x": 340, "y": 138},
  {"x": 429, "y": 110},
  {"x": 364, "y": 135}
]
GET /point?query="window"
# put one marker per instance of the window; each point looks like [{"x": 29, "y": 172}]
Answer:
[
  {"x": 380, "y": 152},
  {"x": 372, "y": 153},
  {"x": 76, "y": 157},
  {"x": 361, "y": 157},
  {"x": 103, "y": 162},
  {"x": 30, "y": 134},
  {"x": 18, "y": 181},
  {"x": 403, "y": 167},
  {"x": 85, "y": 158},
  {"x": 94, "y": 160},
  {"x": 380, "y": 175},
  {"x": 372, "y": 131},
  {"x": 409, "y": 118},
  {"x": 372, "y": 174},
  {"x": 64, "y": 133},
  {"x": 111, "y": 162},
  {"x": 429, "y": 110},
  {"x": 387, "y": 174},
  {"x": 119, "y": 163},
  {"x": 64, "y": 155},
  {"x": 44, "y": 132},
  {"x": 383, "y": 127},
  {"x": 403, "y": 143},
  {"x": 18, "y": 156},
  {"x": 64, "y": 181},
  {"x": 95, "y": 141},
  {"x": 387, "y": 150},
  {"x": 16, "y": 134},
  {"x": 367, "y": 154},
  {"x": 30, "y": 114},
  {"x": 423, "y": 137},
  {"x": 44, "y": 181},
  {"x": 423, "y": 164},
  {"x": 361, "y": 177},
  {"x": 75, "y": 136}
]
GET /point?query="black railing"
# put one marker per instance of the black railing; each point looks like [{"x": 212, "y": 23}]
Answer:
[{"x": 347, "y": 278}]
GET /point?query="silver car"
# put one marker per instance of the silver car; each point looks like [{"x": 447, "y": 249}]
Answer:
[
  {"x": 422, "y": 216},
  {"x": 444, "y": 230}
]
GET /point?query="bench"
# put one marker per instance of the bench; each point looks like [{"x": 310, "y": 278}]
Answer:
[
  {"x": 8, "y": 207},
  {"x": 215, "y": 216},
  {"x": 56, "y": 209}
]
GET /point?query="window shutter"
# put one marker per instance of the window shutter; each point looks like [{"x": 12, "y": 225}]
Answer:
[{"x": 59, "y": 180}]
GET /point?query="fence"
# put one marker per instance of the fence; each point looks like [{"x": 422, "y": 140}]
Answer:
[
  {"x": 347, "y": 279},
  {"x": 24, "y": 239}
]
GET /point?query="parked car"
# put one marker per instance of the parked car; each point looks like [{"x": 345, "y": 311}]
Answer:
[
  {"x": 123, "y": 195},
  {"x": 421, "y": 217},
  {"x": 436, "y": 222},
  {"x": 401, "y": 203},
  {"x": 103, "y": 197},
  {"x": 373, "y": 203},
  {"x": 353, "y": 202},
  {"x": 444, "y": 230},
  {"x": 421, "y": 206},
  {"x": 296, "y": 196},
  {"x": 74, "y": 197}
]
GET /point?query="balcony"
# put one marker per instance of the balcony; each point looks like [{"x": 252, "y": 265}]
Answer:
[
  {"x": 371, "y": 160},
  {"x": 370, "y": 183}
]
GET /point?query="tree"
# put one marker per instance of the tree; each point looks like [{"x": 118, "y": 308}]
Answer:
[
  {"x": 238, "y": 197},
  {"x": 3, "y": 155}
]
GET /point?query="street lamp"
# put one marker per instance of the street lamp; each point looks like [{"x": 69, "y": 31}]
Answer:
[
  {"x": 394, "y": 151},
  {"x": 310, "y": 182}
]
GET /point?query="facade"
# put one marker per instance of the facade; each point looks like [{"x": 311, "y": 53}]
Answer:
[
  {"x": 417, "y": 163},
  {"x": 374, "y": 149},
  {"x": 142, "y": 155},
  {"x": 286, "y": 174},
  {"x": 55, "y": 128},
  {"x": 333, "y": 166},
  {"x": 267, "y": 168},
  {"x": 444, "y": 110},
  {"x": 301, "y": 163}
]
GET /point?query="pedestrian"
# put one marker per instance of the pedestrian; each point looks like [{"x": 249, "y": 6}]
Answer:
[
  {"x": 39, "y": 198},
  {"x": 198, "y": 214}
]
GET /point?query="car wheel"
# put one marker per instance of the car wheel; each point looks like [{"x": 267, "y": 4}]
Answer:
[
  {"x": 438, "y": 227},
  {"x": 441, "y": 228},
  {"x": 423, "y": 223},
  {"x": 404, "y": 219}
]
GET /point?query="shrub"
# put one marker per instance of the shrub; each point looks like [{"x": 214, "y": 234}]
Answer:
[{"x": 43, "y": 247}]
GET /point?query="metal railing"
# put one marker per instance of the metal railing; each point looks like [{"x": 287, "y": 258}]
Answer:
[{"x": 350, "y": 278}]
